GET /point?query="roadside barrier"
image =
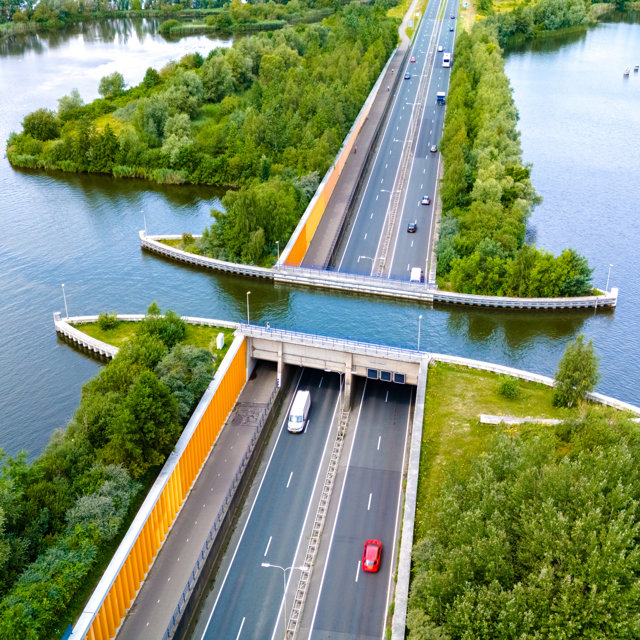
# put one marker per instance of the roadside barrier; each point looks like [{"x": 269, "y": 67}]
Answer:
[{"x": 134, "y": 557}]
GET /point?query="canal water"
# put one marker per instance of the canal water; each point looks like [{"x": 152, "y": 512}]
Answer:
[{"x": 580, "y": 129}]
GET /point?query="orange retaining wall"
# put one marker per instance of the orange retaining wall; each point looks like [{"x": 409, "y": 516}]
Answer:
[{"x": 191, "y": 458}]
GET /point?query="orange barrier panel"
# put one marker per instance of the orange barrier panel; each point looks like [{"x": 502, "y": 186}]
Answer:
[
  {"x": 301, "y": 245},
  {"x": 192, "y": 455}
]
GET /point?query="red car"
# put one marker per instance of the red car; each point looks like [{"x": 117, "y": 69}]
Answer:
[
  {"x": 413, "y": 59},
  {"x": 371, "y": 555}
]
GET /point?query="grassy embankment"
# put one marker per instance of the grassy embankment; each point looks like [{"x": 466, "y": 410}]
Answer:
[{"x": 197, "y": 336}]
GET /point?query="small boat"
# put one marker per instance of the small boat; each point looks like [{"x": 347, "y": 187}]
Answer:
[
  {"x": 635, "y": 69},
  {"x": 625, "y": 73}
]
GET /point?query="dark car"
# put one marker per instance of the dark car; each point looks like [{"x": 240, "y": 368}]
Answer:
[
  {"x": 371, "y": 555},
  {"x": 452, "y": 17},
  {"x": 451, "y": 28},
  {"x": 407, "y": 76},
  {"x": 412, "y": 227},
  {"x": 433, "y": 148},
  {"x": 425, "y": 200}
]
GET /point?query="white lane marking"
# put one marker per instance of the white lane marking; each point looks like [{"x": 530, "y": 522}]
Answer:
[
  {"x": 369, "y": 504},
  {"x": 407, "y": 267},
  {"x": 378, "y": 447},
  {"x": 365, "y": 236},
  {"x": 421, "y": 187},
  {"x": 382, "y": 180},
  {"x": 305, "y": 525},
  {"x": 377, "y": 196},
  {"x": 321, "y": 379},
  {"x": 255, "y": 500},
  {"x": 386, "y": 398},
  {"x": 424, "y": 171},
  {"x": 412, "y": 243},
  {"x": 268, "y": 544},
  {"x": 386, "y": 165},
  {"x": 371, "y": 217},
  {"x": 357, "y": 570},
  {"x": 335, "y": 522},
  {"x": 289, "y": 480},
  {"x": 430, "y": 132},
  {"x": 240, "y": 629}
]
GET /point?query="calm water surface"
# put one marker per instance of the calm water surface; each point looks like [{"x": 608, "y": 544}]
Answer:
[{"x": 581, "y": 130}]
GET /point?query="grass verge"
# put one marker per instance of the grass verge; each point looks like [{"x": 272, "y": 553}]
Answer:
[{"x": 456, "y": 396}]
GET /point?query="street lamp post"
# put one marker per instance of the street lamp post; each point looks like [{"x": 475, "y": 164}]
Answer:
[
  {"x": 66, "y": 312},
  {"x": 419, "y": 326},
  {"x": 284, "y": 586},
  {"x": 608, "y": 274},
  {"x": 248, "y": 294}
]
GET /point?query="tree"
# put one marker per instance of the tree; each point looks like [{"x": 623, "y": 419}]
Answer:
[
  {"x": 68, "y": 104},
  {"x": 111, "y": 86},
  {"x": 42, "y": 124},
  {"x": 577, "y": 373}
]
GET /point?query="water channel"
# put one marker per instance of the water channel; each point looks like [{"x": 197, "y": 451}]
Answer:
[{"x": 581, "y": 129}]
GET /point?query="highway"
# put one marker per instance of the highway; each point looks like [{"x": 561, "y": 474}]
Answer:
[
  {"x": 363, "y": 251},
  {"x": 353, "y": 604},
  {"x": 247, "y": 598}
]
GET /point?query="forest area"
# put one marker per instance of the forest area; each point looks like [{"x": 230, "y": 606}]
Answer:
[
  {"x": 62, "y": 515},
  {"x": 264, "y": 118}
]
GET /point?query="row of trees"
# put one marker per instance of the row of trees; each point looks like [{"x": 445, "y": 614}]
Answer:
[
  {"x": 267, "y": 115},
  {"x": 59, "y": 514},
  {"x": 527, "y": 21},
  {"x": 486, "y": 191}
]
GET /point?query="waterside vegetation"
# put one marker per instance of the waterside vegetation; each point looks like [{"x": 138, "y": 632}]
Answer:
[
  {"x": 266, "y": 117},
  {"x": 62, "y": 515},
  {"x": 527, "y": 531},
  {"x": 486, "y": 190}
]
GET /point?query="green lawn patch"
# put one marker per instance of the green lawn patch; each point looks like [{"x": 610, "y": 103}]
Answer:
[{"x": 196, "y": 335}]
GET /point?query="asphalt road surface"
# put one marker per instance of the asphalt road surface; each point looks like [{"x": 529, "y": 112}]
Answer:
[
  {"x": 406, "y": 250},
  {"x": 249, "y": 599},
  {"x": 352, "y": 603}
]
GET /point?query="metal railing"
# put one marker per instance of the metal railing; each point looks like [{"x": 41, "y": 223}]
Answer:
[
  {"x": 217, "y": 523},
  {"x": 335, "y": 344}
]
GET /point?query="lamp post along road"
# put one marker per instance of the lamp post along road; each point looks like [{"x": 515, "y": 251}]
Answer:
[
  {"x": 64, "y": 297},
  {"x": 284, "y": 586},
  {"x": 419, "y": 326},
  {"x": 248, "y": 294}
]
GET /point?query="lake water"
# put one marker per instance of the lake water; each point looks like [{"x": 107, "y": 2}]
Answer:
[{"x": 580, "y": 129}]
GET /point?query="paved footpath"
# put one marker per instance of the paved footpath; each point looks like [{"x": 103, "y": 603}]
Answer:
[
  {"x": 354, "y": 169},
  {"x": 155, "y": 603}
]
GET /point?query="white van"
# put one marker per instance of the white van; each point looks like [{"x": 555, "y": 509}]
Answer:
[
  {"x": 416, "y": 275},
  {"x": 299, "y": 412}
]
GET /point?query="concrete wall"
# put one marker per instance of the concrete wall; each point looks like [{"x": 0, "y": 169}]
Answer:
[{"x": 134, "y": 557}]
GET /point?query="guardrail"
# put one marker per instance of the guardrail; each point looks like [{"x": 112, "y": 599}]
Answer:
[
  {"x": 222, "y": 512},
  {"x": 335, "y": 344},
  {"x": 151, "y": 243},
  {"x": 375, "y": 285},
  {"x": 65, "y": 328}
]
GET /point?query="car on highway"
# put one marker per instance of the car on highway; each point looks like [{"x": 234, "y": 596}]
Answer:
[
  {"x": 433, "y": 148},
  {"x": 371, "y": 555},
  {"x": 412, "y": 227},
  {"x": 451, "y": 28},
  {"x": 407, "y": 76},
  {"x": 452, "y": 17},
  {"x": 440, "y": 48},
  {"x": 425, "y": 200},
  {"x": 412, "y": 59}
]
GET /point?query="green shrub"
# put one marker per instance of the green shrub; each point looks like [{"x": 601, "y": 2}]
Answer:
[
  {"x": 167, "y": 25},
  {"x": 108, "y": 321},
  {"x": 509, "y": 387}
]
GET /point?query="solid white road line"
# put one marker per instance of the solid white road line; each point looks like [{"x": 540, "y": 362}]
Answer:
[
  {"x": 289, "y": 480},
  {"x": 357, "y": 570},
  {"x": 369, "y": 504},
  {"x": 378, "y": 447},
  {"x": 268, "y": 545},
  {"x": 240, "y": 629}
]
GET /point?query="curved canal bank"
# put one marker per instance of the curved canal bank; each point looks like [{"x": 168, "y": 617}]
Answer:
[{"x": 81, "y": 231}]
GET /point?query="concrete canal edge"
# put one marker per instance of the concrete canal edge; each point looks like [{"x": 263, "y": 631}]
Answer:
[{"x": 372, "y": 285}]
